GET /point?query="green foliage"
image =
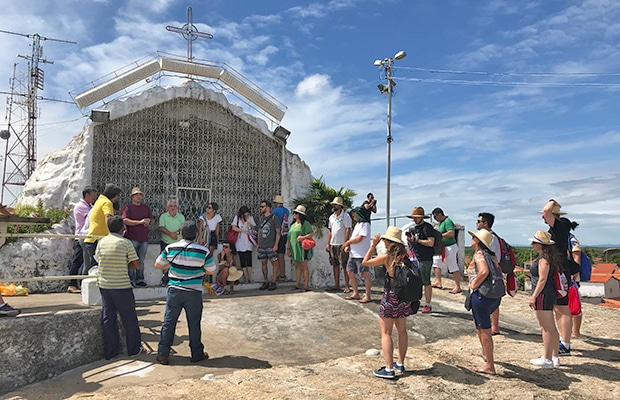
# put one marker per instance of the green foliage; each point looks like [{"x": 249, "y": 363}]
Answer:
[
  {"x": 615, "y": 259},
  {"x": 317, "y": 202},
  {"x": 55, "y": 215},
  {"x": 521, "y": 277}
]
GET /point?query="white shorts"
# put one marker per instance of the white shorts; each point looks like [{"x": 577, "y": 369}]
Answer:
[{"x": 449, "y": 263}]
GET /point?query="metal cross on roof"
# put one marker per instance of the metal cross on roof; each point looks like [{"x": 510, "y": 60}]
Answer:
[{"x": 189, "y": 33}]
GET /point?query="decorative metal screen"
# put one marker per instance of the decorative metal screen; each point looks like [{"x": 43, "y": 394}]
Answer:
[{"x": 195, "y": 149}]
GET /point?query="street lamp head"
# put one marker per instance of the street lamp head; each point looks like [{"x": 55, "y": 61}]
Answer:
[
  {"x": 400, "y": 55},
  {"x": 378, "y": 63}
]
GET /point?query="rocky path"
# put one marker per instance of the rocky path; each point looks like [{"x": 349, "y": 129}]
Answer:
[{"x": 287, "y": 345}]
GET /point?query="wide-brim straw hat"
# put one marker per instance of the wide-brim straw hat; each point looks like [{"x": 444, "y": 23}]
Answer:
[
  {"x": 556, "y": 210},
  {"x": 278, "y": 199},
  {"x": 300, "y": 209},
  {"x": 484, "y": 236},
  {"x": 542, "y": 237},
  {"x": 393, "y": 234},
  {"x": 136, "y": 190},
  {"x": 338, "y": 201},
  {"x": 418, "y": 212},
  {"x": 234, "y": 274}
]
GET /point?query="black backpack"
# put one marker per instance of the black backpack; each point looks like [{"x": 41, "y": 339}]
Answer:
[
  {"x": 438, "y": 246},
  {"x": 407, "y": 281},
  {"x": 506, "y": 260}
]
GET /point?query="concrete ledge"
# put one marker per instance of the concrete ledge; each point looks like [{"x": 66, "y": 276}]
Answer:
[
  {"x": 92, "y": 297},
  {"x": 38, "y": 347}
]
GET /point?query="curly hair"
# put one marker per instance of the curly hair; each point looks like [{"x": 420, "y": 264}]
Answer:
[
  {"x": 551, "y": 254},
  {"x": 395, "y": 252}
]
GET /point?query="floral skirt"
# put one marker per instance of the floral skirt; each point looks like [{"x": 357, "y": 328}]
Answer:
[{"x": 391, "y": 307}]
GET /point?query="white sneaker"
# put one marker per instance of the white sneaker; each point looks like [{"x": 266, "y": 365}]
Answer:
[
  {"x": 542, "y": 362},
  {"x": 556, "y": 361}
]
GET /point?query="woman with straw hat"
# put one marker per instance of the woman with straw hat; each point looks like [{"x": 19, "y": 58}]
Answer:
[
  {"x": 482, "y": 307},
  {"x": 544, "y": 296},
  {"x": 300, "y": 230},
  {"x": 228, "y": 269},
  {"x": 392, "y": 312}
]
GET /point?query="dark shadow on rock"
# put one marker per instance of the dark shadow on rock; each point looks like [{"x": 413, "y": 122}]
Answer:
[
  {"x": 601, "y": 342},
  {"x": 600, "y": 371},
  {"x": 602, "y": 354},
  {"x": 233, "y": 362},
  {"x": 551, "y": 379},
  {"x": 456, "y": 374}
]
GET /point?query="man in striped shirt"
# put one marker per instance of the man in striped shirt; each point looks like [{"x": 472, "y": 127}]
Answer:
[
  {"x": 115, "y": 255},
  {"x": 186, "y": 263}
]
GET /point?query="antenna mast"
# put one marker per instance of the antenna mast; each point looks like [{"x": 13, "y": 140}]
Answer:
[{"x": 20, "y": 159}]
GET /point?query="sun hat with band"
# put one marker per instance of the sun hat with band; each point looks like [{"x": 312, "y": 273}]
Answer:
[
  {"x": 542, "y": 237},
  {"x": 418, "y": 212},
  {"x": 484, "y": 236},
  {"x": 279, "y": 199},
  {"x": 393, "y": 234},
  {"x": 338, "y": 201},
  {"x": 555, "y": 210},
  {"x": 136, "y": 190},
  {"x": 300, "y": 209},
  {"x": 233, "y": 274}
]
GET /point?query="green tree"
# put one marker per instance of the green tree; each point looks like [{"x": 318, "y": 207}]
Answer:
[
  {"x": 615, "y": 259},
  {"x": 317, "y": 202}
]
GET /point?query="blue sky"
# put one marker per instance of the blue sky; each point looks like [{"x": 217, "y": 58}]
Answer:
[{"x": 538, "y": 118}]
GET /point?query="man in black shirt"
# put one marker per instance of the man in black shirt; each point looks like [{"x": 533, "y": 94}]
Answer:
[{"x": 422, "y": 240}]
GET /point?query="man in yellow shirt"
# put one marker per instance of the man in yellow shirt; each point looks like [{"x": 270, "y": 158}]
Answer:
[{"x": 102, "y": 210}]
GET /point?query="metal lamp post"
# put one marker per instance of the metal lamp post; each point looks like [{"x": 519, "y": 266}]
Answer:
[{"x": 386, "y": 64}]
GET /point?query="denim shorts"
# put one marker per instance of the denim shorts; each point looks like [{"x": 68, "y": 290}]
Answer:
[{"x": 482, "y": 308}]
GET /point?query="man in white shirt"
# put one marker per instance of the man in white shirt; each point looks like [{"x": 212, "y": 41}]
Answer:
[
  {"x": 357, "y": 246},
  {"x": 339, "y": 231}
]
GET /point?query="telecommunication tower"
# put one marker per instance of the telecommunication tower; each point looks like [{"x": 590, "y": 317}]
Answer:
[{"x": 20, "y": 158}]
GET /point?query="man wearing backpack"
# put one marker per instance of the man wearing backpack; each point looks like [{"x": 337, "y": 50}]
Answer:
[
  {"x": 560, "y": 227},
  {"x": 448, "y": 234},
  {"x": 422, "y": 239},
  {"x": 485, "y": 221}
]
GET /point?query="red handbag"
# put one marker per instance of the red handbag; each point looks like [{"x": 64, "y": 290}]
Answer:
[
  {"x": 231, "y": 235},
  {"x": 574, "y": 302}
]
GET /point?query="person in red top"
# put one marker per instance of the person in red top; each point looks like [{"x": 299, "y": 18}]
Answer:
[{"x": 137, "y": 217}]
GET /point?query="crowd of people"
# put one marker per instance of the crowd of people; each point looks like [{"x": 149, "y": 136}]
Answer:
[{"x": 117, "y": 247}]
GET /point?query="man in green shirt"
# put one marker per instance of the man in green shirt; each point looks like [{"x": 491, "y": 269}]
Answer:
[
  {"x": 170, "y": 225},
  {"x": 448, "y": 259}
]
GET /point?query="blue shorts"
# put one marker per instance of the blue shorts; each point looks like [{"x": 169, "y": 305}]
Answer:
[
  {"x": 482, "y": 308},
  {"x": 282, "y": 244},
  {"x": 355, "y": 265}
]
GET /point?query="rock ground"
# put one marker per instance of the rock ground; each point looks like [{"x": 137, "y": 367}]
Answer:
[{"x": 286, "y": 345}]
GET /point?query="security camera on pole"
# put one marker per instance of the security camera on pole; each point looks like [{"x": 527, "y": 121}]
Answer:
[{"x": 386, "y": 64}]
